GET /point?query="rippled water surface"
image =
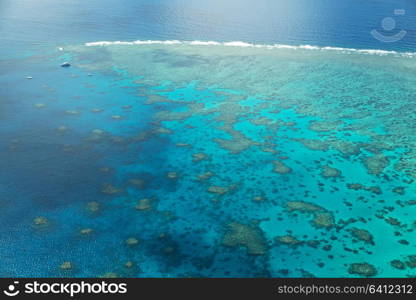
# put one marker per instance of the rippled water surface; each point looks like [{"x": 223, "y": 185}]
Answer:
[{"x": 210, "y": 142}]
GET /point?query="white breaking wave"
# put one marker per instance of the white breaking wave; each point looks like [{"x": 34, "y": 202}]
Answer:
[{"x": 249, "y": 45}]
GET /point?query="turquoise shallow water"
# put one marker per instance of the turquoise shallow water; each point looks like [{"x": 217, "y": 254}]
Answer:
[{"x": 176, "y": 160}]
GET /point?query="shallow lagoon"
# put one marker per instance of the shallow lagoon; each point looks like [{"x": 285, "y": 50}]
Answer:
[{"x": 208, "y": 160}]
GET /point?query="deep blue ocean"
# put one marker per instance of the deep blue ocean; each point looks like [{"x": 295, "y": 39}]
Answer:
[{"x": 192, "y": 138}]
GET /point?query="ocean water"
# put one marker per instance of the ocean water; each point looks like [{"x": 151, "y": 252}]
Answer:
[{"x": 195, "y": 139}]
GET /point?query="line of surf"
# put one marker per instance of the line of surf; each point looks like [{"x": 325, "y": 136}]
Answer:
[{"x": 250, "y": 45}]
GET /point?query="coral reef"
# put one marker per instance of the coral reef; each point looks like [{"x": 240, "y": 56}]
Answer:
[
  {"x": 220, "y": 190},
  {"x": 321, "y": 217},
  {"x": 109, "y": 189},
  {"x": 319, "y": 145},
  {"x": 93, "y": 206},
  {"x": 337, "y": 149},
  {"x": 303, "y": 206},
  {"x": 41, "y": 222},
  {"x": 259, "y": 198},
  {"x": 362, "y": 269},
  {"x": 238, "y": 144},
  {"x": 321, "y": 126},
  {"x": 72, "y": 112},
  {"x": 376, "y": 164},
  {"x": 132, "y": 241},
  {"x": 62, "y": 129},
  {"x": 86, "y": 231},
  {"x": 138, "y": 183},
  {"x": 67, "y": 265},
  {"x": 398, "y": 264},
  {"x": 359, "y": 186},
  {"x": 362, "y": 235},
  {"x": 144, "y": 204},
  {"x": 411, "y": 261},
  {"x": 288, "y": 240},
  {"x": 323, "y": 220},
  {"x": 346, "y": 148},
  {"x": 281, "y": 168},
  {"x": 205, "y": 176},
  {"x": 329, "y": 172},
  {"x": 172, "y": 175},
  {"x": 155, "y": 99},
  {"x": 184, "y": 145},
  {"x": 109, "y": 275},
  {"x": 163, "y": 130},
  {"x": 199, "y": 156},
  {"x": 400, "y": 190},
  {"x": 247, "y": 236}
]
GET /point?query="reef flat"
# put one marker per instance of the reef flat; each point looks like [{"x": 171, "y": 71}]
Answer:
[{"x": 182, "y": 160}]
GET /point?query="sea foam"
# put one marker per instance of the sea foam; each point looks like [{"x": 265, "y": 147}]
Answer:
[{"x": 250, "y": 45}]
